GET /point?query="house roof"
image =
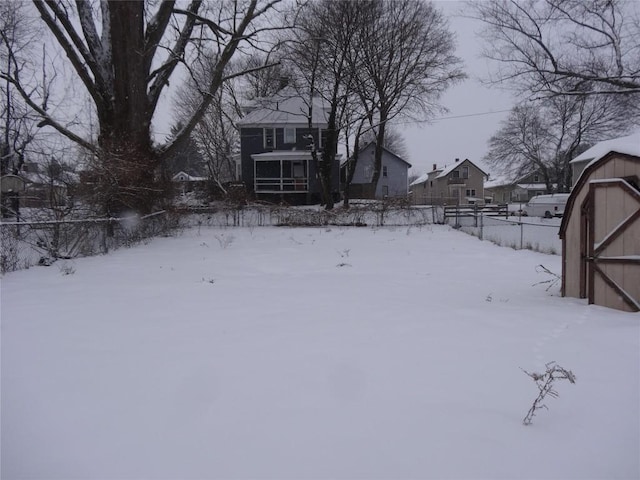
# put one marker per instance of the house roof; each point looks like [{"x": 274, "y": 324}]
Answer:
[
  {"x": 501, "y": 181},
  {"x": 509, "y": 180},
  {"x": 421, "y": 179},
  {"x": 532, "y": 186},
  {"x": 187, "y": 178},
  {"x": 386, "y": 150},
  {"x": 449, "y": 168},
  {"x": 629, "y": 145},
  {"x": 286, "y": 107},
  {"x": 391, "y": 152}
]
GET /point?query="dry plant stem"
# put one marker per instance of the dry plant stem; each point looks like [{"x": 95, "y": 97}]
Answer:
[{"x": 545, "y": 384}]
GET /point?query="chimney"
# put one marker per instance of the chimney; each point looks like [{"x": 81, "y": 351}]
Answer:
[
  {"x": 457, "y": 160},
  {"x": 434, "y": 166}
]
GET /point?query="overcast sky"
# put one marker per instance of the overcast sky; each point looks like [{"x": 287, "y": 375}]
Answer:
[
  {"x": 475, "y": 111},
  {"x": 479, "y": 109}
]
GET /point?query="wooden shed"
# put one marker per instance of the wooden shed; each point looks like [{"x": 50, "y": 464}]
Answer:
[{"x": 600, "y": 230}]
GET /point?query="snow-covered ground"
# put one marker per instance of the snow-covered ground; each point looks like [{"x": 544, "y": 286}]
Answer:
[{"x": 312, "y": 353}]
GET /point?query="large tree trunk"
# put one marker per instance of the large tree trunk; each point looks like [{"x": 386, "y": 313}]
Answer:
[{"x": 128, "y": 164}]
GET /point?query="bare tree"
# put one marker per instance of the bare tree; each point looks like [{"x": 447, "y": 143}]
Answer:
[
  {"x": 564, "y": 47},
  {"x": 393, "y": 140},
  {"x": 321, "y": 53},
  {"x": 408, "y": 62},
  {"x": 264, "y": 82},
  {"x": 18, "y": 125},
  {"x": 547, "y": 135},
  {"x": 125, "y": 54}
]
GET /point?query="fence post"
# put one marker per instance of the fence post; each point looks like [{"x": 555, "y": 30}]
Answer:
[
  {"x": 521, "y": 234},
  {"x": 481, "y": 226}
]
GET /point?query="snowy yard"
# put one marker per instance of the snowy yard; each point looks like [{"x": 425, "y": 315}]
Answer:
[{"x": 312, "y": 353}]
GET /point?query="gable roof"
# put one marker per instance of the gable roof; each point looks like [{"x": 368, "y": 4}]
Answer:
[
  {"x": 362, "y": 149},
  {"x": 580, "y": 183},
  {"x": 287, "y": 107},
  {"x": 372, "y": 143},
  {"x": 449, "y": 168},
  {"x": 629, "y": 145}
]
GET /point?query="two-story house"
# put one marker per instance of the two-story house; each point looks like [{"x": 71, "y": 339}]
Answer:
[
  {"x": 462, "y": 182},
  {"x": 393, "y": 181},
  {"x": 276, "y": 144}
]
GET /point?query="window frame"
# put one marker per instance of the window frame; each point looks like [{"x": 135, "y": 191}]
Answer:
[
  {"x": 265, "y": 136},
  {"x": 289, "y": 139}
]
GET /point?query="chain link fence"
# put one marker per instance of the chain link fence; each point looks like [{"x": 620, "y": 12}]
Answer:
[
  {"x": 28, "y": 243},
  {"x": 531, "y": 233}
]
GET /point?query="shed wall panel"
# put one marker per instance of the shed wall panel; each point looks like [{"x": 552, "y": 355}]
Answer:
[{"x": 612, "y": 207}]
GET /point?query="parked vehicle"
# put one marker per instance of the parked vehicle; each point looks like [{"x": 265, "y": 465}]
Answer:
[{"x": 547, "y": 206}]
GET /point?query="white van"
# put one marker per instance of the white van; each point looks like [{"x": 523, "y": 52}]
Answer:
[{"x": 547, "y": 205}]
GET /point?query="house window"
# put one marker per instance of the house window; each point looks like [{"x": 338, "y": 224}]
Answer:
[
  {"x": 269, "y": 138},
  {"x": 536, "y": 178},
  {"x": 431, "y": 183},
  {"x": 385, "y": 190},
  {"x": 298, "y": 170},
  {"x": 384, "y": 171},
  {"x": 456, "y": 174},
  {"x": 465, "y": 172},
  {"x": 289, "y": 135},
  {"x": 471, "y": 192}
]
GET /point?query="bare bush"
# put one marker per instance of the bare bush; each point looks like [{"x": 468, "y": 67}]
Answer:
[{"x": 545, "y": 383}]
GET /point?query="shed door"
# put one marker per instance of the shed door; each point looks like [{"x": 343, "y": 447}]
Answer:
[{"x": 610, "y": 231}]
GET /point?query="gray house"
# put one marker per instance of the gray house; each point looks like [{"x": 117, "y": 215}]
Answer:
[{"x": 393, "y": 181}]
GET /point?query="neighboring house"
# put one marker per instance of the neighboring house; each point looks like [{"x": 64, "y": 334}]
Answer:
[
  {"x": 275, "y": 148},
  {"x": 600, "y": 230},
  {"x": 521, "y": 189},
  {"x": 462, "y": 182},
  {"x": 189, "y": 183},
  {"x": 393, "y": 181},
  {"x": 46, "y": 186}
]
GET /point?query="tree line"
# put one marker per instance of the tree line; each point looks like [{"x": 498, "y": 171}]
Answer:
[{"x": 90, "y": 79}]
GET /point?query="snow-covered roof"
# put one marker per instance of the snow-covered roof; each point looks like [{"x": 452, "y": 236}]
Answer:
[
  {"x": 499, "y": 181},
  {"x": 532, "y": 186},
  {"x": 420, "y": 179},
  {"x": 629, "y": 145},
  {"x": 286, "y": 107},
  {"x": 449, "y": 168},
  {"x": 185, "y": 177}
]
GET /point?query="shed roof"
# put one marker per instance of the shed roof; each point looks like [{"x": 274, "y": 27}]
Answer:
[
  {"x": 582, "y": 180},
  {"x": 629, "y": 145}
]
